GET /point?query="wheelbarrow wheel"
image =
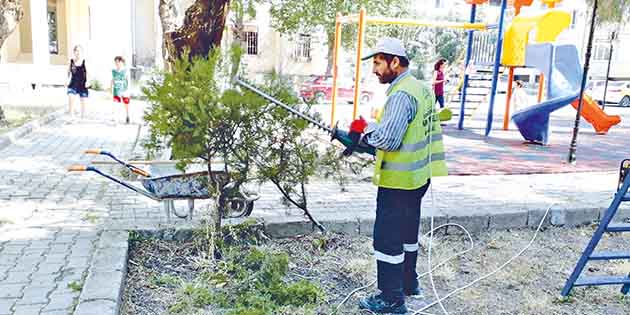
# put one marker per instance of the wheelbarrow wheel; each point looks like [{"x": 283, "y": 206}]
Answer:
[{"x": 235, "y": 207}]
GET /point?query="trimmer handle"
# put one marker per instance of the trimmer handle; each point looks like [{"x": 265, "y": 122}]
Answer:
[{"x": 344, "y": 138}]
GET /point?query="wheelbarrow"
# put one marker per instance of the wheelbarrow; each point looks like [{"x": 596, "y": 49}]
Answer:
[{"x": 235, "y": 203}]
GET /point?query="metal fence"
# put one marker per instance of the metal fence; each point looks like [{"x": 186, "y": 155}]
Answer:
[{"x": 484, "y": 48}]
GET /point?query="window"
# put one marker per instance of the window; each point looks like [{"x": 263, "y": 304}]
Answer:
[
  {"x": 303, "y": 47},
  {"x": 53, "y": 42},
  {"x": 251, "y": 43},
  {"x": 601, "y": 52}
]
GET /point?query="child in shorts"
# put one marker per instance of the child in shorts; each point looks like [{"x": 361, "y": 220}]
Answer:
[{"x": 120, "y": 84}]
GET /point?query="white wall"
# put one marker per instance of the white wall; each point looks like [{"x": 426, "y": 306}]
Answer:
[
  {"x": 111, "y": 37},
  {"x": 145, "y": 32}
]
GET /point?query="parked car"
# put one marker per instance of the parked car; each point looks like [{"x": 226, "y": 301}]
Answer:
[
  {"x": 618, "y": 92},
  {"x": 319, "y": 90}
]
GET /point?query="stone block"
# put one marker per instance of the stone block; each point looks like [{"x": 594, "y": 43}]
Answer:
[
  {"x": 5, "y": 306},
  {"x": 97, "y": 307},
  {"x": 534, "y": 218},
  {"x": 475, "y": 224},
  {"x": 102, "y": 285},
  {"x": 574, "y": 217},
  {"x": 114, "y": 239},
  {"x": 438, "y": 220},
  {"x": 60, "y": 302},
  {"x": 16, "y": 277},
  {"x": 110, "y": 259},
  {"x": 27, "y": 309},
  {"x": 504, "y": 221},
  {"x": 287, "y": 227},
  {"x": 11, "y": 291},
  {"x": 35, "y": 295}
]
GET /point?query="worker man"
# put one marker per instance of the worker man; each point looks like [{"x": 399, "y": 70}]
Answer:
[{"x": 409, "y": 151}]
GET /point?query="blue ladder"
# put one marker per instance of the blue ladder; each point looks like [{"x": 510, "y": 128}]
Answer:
[{"x": 605, "y": 226}]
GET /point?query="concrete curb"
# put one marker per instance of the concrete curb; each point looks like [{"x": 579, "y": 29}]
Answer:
[
  {"x": 475, "y": 223},
  {"x": 12, "y": 136},
  {"x": 103, "y": 287}
]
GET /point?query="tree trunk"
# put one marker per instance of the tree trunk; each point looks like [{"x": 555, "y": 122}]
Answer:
[
  {"x": 331, "y": 52},
  {"x": 200, "y": 31},
  {"x": 10, "y": 15}
]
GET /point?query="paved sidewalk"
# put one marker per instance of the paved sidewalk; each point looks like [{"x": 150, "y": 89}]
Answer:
[{"x": 55, "y": 256}]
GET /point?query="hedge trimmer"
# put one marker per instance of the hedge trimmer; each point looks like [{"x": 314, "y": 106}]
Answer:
[{"x": 339, "y": 135}]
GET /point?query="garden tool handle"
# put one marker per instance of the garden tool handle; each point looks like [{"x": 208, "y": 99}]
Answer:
[
  {"x": 77, "y": 168},
  {"x": 140, "y": 172},
  {"x": 93, "y": 151}
]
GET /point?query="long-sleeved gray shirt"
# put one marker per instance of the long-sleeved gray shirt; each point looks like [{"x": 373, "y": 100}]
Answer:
[{"x": 399, "y": 110}]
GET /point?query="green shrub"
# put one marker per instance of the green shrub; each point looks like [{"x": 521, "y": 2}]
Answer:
[{"x": 96, "y": 85}]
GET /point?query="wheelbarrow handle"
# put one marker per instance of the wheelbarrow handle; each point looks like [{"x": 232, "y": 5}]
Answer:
[
  {"x": 79, "y": 168},
  {"x": 84, "y": 168},
  {"x": 140, "y": 172},
  {"x": 94, "y": 151},
  {"x": 132, "y": 168}
]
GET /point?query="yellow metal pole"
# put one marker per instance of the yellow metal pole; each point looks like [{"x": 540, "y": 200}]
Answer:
[
  {"x": 410, "y": 22},
  {"x": 357, "y": 72},
  {"x": 334, "y": 68},
  {"x": 541, "y": 86},
  {"x": 506, "y": 117}
]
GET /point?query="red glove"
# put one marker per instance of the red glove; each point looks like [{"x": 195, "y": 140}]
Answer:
[{"x": 358, "y": 125}]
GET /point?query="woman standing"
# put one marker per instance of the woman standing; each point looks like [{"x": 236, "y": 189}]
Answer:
[
  {"x": 438, "y": 81},
  {"x": 78, "y": 78}
]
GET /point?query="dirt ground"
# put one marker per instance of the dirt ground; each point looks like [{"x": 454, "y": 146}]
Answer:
[{"x": 530, "y": 285}]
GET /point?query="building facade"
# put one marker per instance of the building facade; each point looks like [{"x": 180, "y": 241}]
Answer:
[{"x": 39, "y": 50}]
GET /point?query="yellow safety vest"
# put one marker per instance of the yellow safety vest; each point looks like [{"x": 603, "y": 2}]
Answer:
[{"x": 408, "y": 167}]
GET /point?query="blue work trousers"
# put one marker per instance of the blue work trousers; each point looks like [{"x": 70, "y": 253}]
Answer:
[{"x": 396, "y": 230}]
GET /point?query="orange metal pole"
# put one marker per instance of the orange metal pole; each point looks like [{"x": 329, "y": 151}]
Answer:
[
  {"x": 541, "y": 85},
  {"x": 506, "y": 117},
  {"x": 335, "y": 67},
  {"x": 357, "y": 72}
]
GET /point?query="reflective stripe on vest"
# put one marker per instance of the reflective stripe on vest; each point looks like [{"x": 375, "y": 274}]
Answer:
[
  {"x": 413, "y": 166},
  {"x": 412, "y": 147}
]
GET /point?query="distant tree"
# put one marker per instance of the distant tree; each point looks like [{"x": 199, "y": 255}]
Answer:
[
  {"x": 612, "y": 11},
  {"x": 191, "y": 27},
  {"x": 307, "y": 16},
  {"x": 10, "y": 15}
]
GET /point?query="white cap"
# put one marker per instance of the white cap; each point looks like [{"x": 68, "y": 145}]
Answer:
[{"x": 388, "y": 45}]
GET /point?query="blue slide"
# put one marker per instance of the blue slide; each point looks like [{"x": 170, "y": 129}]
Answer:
[{"x": 563, "y": 74}]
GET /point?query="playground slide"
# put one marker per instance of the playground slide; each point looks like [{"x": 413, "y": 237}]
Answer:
[
  {"x": 592, "y": 112},
  {"x": 562, "y": 64}
]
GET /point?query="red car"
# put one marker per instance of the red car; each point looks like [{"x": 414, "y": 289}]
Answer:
[{"x": 319, "y": 89}]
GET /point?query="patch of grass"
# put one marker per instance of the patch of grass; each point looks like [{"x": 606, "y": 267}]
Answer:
[
  {"x": 165, "y": 280},
  {"x": 16, "y": 117},
  {"x": 91, "y": 217},
  {"x": 96, "y": 85},
  {"x": 75, "y": 286},
  {"x": 248, "y": 280}
]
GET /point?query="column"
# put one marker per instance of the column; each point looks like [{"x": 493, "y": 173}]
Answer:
[{"x": 39, "y": 30}]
